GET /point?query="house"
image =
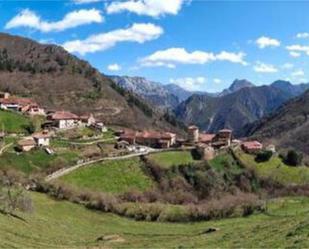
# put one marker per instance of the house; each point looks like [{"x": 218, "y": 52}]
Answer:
[
  {"x": 222, "y": 139},
  {"x": 99, "y": 126},
  {"x": 42, "y": 139},
  {"x": 121, "y": 145},
  {"x": 206, "y": 138},
  {"x": 271, "y": 147},
  {"x": 193, "y": 134},
  {"x": 128, "y": 136},
  {"x": 26, "y": 144},
  {"x": 4, "y": 95},
  {"x": 88, "y": 119},
  {"x": 64, "y": 120},
  {"x": 15, "y": 104},
  {"x": 149, "y": 138},
  {"x": 33, "y": 110},
  {"x": 251, "y": 147}
]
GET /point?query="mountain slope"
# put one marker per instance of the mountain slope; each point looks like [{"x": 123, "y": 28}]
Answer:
[
  {"x": 59, "y": 80},
  {"x": 181, "y": 93},
  {"x": 235, "y": 86},
  {"x": 287, "y": 127},
  {"x": 151, "y": 91},
  {"x": 233, "y": 110}
]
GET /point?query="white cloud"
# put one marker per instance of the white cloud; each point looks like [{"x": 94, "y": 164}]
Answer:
[
  {"x": 232, "y": 57},
  {"x": 28, "y": 18},
  {"x": 172, "y": 56},
  {"x": 154, "y": 8},
  {"x": 138, "y": 32},
  {"x": 294, "y": 54},
  {"x": 261, "y": 67},
  {"x": 217, "y": 81},
  {"x": 264, "y": 42},
  {"x": 296, "y": 50},
  {"x": 287, "y": 66},
  {"x": 86, "y": 1},
  {"x": 298, "y": 73},
  {"x": 114, "y": 67},
  {"x": 302, "y": 35},
  {"x": 190, "y": 83}
]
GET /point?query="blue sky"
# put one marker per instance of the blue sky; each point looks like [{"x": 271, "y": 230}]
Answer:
[{"x": 200, "y": 45}]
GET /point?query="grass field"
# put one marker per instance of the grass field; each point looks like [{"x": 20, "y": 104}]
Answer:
[
  {"x": 65, "y": 225},
  {"x": 34, "y": 160},
  {"x": 111, "y": 176},
  {"x": 276, "y": 169},
  {"x": 13, "y": 122},
  {"x": 170, "y": 158}
]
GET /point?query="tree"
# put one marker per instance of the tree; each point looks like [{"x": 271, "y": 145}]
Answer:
[
  {"x": 263, "y": 156},
  {"x": 12, "y": 196},
  {"x": 293, "y": 158}
]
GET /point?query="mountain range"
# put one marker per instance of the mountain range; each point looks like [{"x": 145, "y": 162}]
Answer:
[
  {"x": 236, "y": 109},
  {"x": 163, "y": 96},
  {"x": 167, "y": 96}
]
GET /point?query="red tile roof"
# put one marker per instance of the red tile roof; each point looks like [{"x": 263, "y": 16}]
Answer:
[
  {"x": 26, "y": 142},
  {"x": 148, "y": 135},
  {"x": 63, "y": 115},
  {"x": 252, "y": 145},
  {"x": 41, "y": 134},
  {"x": 206, "y": 137},
  {"x": 18, "y": 101}
]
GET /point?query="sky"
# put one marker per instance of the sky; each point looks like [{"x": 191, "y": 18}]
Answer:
[{"x": 198, "y": 44}]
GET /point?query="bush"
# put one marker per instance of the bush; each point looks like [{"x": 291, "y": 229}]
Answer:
[
  {"x": 263, "y": 156},
  {"x": 293, "y": 158}
]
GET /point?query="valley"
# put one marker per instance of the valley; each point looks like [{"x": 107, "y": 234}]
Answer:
[{"x": 96, "y": 160}]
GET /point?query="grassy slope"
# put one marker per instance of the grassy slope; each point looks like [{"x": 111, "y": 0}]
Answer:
[
  {"x": 170, "y": 158},
  {"x": 34, "y": 160},
  {"x": 66, "y": 225},
  {"x": 276, "y": 169},
  {"x": 13, "y": 122},
  {"x": 111, "y": 176}
]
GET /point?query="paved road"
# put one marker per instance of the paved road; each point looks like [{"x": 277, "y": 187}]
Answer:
[
  {"x": 5, "y": 147},
  {"x": 92, "y": 142},
  {"x": 65, "y": 171}
]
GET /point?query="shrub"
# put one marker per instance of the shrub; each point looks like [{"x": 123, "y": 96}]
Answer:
[
  {"x": 263, "y": 156},
  {"x": 293, "y": 158}
]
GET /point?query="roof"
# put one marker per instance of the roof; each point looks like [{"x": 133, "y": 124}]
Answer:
[
  {"x": 85, "y": 117},
  {"x": 192, "y": 127},
  {"x": 252, "y": 144},
  {"x": 155, "y": 135},
  {"x": 18, "y": 101},
  {"x": 148, "y": 134},
  {"x": 225, "y": 130},
  {"x": 42, "y": 134},
  {"x": 206, "y": 137},
  {"x": 26, "y": 142},
  {"x": 63, "y": 115}
]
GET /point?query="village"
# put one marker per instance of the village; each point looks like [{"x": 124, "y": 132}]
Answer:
[{"x": 126, "y": 141}]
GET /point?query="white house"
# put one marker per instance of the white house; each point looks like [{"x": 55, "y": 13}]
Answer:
[
  {"x": 64, "y": 120},
  {"x": 41, "y": 138},
  {"x": 14, "y": 103}
]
